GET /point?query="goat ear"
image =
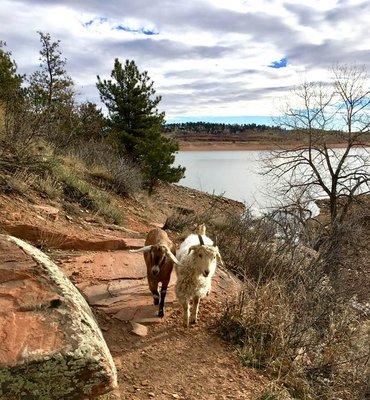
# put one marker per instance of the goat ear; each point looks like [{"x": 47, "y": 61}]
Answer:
[
  {"x": 172, "y": 256},
  {"x": 142, "y": 249},
  {"x": 201, "y": 229}
]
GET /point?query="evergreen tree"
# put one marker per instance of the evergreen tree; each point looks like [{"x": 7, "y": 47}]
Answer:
[
  {"x": 10, "y": 81},
  {"x": 50, "y": 86},
  {"x": 91, "y": 122},
  {"x": 158, "y": 156},
  {"x": 136, "y": 122}
]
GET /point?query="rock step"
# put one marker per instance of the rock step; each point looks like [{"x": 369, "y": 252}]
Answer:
[
  {"x": 116, "y": 283},
  {"x": 51, "y": 346},
  {"x": 41, "y": 236}
]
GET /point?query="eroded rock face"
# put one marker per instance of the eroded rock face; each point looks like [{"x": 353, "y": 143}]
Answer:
[{"x": 51, "y": 346}]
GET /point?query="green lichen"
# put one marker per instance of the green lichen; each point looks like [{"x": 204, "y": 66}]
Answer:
[
  {"x": 57, "y": 378},
  {"x": 84, "y": 368}
]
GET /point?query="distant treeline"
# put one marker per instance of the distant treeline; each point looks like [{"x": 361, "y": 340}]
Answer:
[{"x": 217, "y": 128}]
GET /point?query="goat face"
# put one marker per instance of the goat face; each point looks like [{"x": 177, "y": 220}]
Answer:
[
  {"x": 205, "y": 259},
  {"x": 158, "y": 256}
]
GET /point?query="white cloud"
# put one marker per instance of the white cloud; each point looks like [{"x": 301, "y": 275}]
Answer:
[{"x": 208, "y": 58}]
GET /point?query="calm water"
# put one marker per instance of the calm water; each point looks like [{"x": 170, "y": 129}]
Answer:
[{"x": 235, "y": 174}]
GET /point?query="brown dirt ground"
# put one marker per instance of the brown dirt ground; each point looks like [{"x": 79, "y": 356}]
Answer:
[
  {"x": 174, "y": 362},
  {"x": 170, "y": 362}
]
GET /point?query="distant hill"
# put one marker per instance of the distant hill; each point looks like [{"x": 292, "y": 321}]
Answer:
[{"x": 217, "y": 128}]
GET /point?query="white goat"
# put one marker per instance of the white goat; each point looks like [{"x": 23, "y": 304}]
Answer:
[{"x": 197, "y": 264}]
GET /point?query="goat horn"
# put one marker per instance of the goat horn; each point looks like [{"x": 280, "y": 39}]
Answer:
[
  {"x": 218, "y": 256},
  {"x": 141, "y": 250},
  {"x": 172, "y": 256}
]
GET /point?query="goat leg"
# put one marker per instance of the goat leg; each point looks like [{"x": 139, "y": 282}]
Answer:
[
  {"x": 153, "y": 286},
  {"x": 186, "y": 308},
  {"x": 194, "y": 310},
  {"x": 161, "y": 302}
]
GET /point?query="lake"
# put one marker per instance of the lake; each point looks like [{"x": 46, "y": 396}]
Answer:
[{"x": 235, "y": 174}]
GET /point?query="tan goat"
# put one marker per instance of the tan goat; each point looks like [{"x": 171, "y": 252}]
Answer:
[{"x": 159, "y": 259}]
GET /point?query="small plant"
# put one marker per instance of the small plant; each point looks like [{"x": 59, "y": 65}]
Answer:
[
  {"x": 49, "y": 186},
  {"x": 268, "y": 396},
  {"x": 104, "y": 205},
  {"x": 79, "y": 190},
  {"x": 18, "y": 183}
]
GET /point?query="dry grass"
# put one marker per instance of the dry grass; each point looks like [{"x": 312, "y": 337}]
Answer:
[
  {"x": 109, "y": 168},
  {"x": 18, "y": 183},
  {"x": 48, "y": 186},
  {"x": 288, "y": 320},
  {"x": 77, "y": 189}
]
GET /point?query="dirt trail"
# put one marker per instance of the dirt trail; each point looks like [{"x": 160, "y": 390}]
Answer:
[{"x": 170, "y": 362}]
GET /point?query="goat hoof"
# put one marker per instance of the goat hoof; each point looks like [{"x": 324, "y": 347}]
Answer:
[
  {"x": 193, "y": 322},
  {"x": 161, "y": 314}
]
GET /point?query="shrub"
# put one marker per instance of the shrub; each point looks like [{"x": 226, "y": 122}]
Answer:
[
  {"x": 289, "y": 321},
  {"x": 117, "y": 171},
  {"x": 17, "y": 183},
  {"x": 49, "y": 186},
  {"x": 78, "y": 190}
]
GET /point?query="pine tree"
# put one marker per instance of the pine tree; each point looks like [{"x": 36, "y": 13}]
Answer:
[
  {"x": 158, "y": 156},
  {"x": 91, "y": 122},
  {"x": 137, "y": 124},
  {"x": 50, "y": 86},
  {"x": 10, "y": 81}
]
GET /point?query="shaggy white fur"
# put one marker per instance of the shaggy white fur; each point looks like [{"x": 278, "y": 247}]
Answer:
[
  {"x": 197, "y": 265},
  {"x": 191, "y": 240}
]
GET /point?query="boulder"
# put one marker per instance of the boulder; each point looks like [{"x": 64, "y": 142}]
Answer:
[{"x": 51, "y": 346}]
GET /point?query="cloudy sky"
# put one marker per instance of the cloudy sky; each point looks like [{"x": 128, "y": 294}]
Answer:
[{"x": 223, "y": 60}]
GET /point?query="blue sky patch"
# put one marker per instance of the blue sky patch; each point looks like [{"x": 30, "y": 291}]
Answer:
[
  {"x": 279, "y": 64},
  {"x": 145, "y": 31},
  {"x": 97, "y": 19}
]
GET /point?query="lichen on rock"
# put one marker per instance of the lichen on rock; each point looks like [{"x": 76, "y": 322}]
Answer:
[{"x": 52, "y": 347}]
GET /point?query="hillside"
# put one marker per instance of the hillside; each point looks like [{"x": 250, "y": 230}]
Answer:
[{"x": 93, "y": 253}]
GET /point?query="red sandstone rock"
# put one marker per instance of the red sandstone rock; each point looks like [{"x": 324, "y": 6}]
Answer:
[
  {"x": 50, "y": 211},
  {"x": 59, "y": 240},
  {"x": 139, "y": 329},
  {"x": 107, "y": 266},
  {"x": 51, "y": 346}
]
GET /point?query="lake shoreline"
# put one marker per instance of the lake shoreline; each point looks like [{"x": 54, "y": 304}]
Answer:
[{"x": 241, "y": 146}]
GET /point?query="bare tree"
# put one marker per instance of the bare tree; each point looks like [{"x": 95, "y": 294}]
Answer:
[{"x": 325, "y": 115}]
